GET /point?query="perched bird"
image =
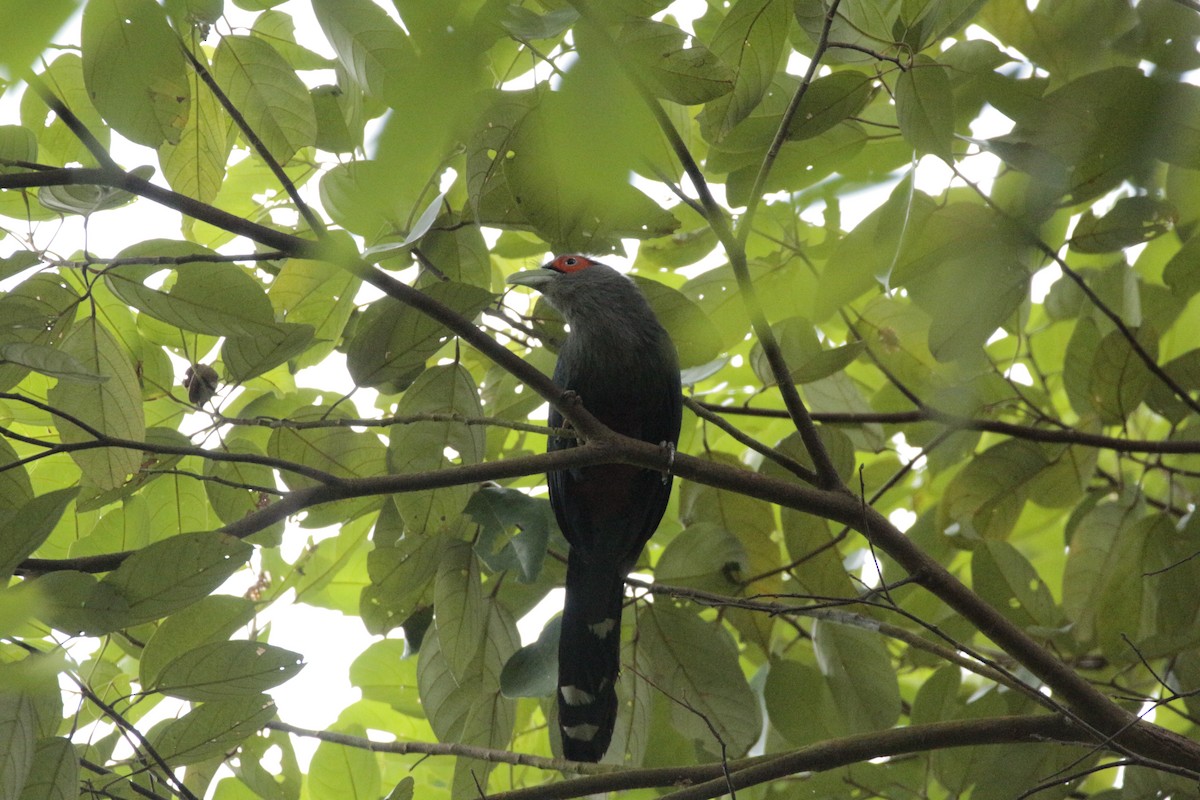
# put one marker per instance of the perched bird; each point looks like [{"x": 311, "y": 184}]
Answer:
[{"x": 623, "y": 366}]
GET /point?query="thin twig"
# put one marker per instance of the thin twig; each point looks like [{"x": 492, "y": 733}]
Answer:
[{"x": 260, "y": 147}]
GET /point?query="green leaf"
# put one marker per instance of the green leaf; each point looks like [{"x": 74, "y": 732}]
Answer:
[
  {"x": 135, "y": 70},
  {"x": 401, "y": 571},
  {"x": 210, "y": 619},
  {"x": 87, "y": 199},
  {"x": 860, "y": 675},
  {"x": 1120, "y": 378},
  {"x": 676, "y": 70},
  {"x": 20, "y": 44},
  {"x": 987, "y": 496},
  {"x": 423, "y": 445},
  {"x": 711, "y": 689},
  {"x": 369, "y": 45},
  {"x": 925, "y": 108},
  {"x": 497, "y": 510},
  {"x": 28, "y": 526},
  {"x": 1185, "y": 371},
  {"x": 927, "y": 22},
  {"x": 750, "y": 40},
  {"x": 458, "y": 607},
  {"x": 167, "y": 576},
  {"x": 1077, "y": 365},
  {"x": 112, "y": 407},
  {"x": 248, "y": 357},
  {"x": 276, "y": 776},
  {"x": 806, "y": 359},
  {"x": 15, "y": 487},
  {"x": 532, "y": 671},
  {"x": 392, "y": 343},
  {"x": 459, "y": 251},
  {"x": 338, "y": 772},
  {"x": 48, "y": 361},
  {"x": 18, "y": 732},
  {"x": 40, "y": 310},
  {"x": 545, "y": 160},
  {"x": 470, "y": 710},
  {"x": 334, "y": 131},
  {"x": 386, "y": 673},
  {"x": 704, "y": 556},
  {"x": 829, "y": 99},
  {"x": 273, "y": 100},
  {"x": 18, "y": 261},
  {"x": 1102, "y": 595},
  {"x": 1004, "y": 578},
  {"x": 279, "y": 30},
  {"x": 528, "y": 25},
  {"x": 211, "y": 729},
  {"x": 54, "y": 774},
  {"x": 213, "y": 298},
  {"x": 223, "y": 670},
  {"x": 195, "y": 165},
  {"x": 230, "y": 500},
  {"x": 966, "y": 269},
  {"x": 866, "y": 256},
  {"x": 1132, "y": 220},
  {"x": 691, "y": 330},
  {"x": 800, "y": 704},
  {"x": 57, "y": 144},
  {"x": 335, "y": 449},
  {"x": 866, "y": 23},
  {"x": 937, "y": 699}
]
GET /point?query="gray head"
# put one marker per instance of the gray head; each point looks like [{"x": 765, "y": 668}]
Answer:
[{"x": 589, "y": 295}]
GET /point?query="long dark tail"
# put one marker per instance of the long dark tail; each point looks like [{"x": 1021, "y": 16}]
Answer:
[{"x": 589, "y": 658}]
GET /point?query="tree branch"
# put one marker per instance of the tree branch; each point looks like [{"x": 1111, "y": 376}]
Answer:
[
  {"x": 1069, "y": 436},
  {"x": 314, "y": 222},
  {"x": 814, "y": 758}
]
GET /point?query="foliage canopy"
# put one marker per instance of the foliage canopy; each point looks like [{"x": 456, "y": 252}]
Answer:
[{"x": 934, "y": 531}]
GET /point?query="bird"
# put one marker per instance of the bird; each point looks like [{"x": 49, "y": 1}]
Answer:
[{"x": 622, "y": 365}]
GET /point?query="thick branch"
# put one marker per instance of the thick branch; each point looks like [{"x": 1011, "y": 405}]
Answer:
[{"x": 815, "y": 758}]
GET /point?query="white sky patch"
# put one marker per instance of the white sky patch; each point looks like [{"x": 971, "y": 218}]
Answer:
[
  {"x": 904, "y": 450},
  {"x": 1043, "y": 279},
  {"x": 1019, "y": 373},
  {"x": 530, "y": 626},
  {"x": 902, "y": 518}
]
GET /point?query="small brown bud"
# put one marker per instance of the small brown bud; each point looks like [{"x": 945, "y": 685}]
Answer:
[{"x": 201, "y": 382}]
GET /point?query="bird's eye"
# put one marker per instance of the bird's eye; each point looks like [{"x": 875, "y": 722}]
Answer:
[{"x": 571, "y": 263}]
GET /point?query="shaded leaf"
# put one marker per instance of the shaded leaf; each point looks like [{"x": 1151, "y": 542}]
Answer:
[
  {"x": 264, "y": 88},
  {"x": 211, "y": 729},
  {"x": 859, "y": 671},
  {"x": 708, "y": 691},
  {"x": 135, "y": 71},
  {"x": 112, "y": 407},
  {"x": 223, "y": 670},
  {"x": 925, "y": 108}
]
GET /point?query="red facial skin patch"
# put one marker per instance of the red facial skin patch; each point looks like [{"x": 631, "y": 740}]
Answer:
[{"x": 572, "y": 263}]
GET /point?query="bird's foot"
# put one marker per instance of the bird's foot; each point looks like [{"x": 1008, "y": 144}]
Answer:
[{"x": 666, "y": 476}]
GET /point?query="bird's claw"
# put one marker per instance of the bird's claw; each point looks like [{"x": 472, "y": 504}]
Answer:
[{"x": 666, "y": 476}]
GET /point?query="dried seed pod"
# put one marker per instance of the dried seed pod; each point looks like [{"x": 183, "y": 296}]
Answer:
[{"x": 201, "y": 382}]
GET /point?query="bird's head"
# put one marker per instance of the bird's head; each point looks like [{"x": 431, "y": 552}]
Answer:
[
  {"x": 554, "y": 271},
  {"x": 574, "y": 284},
  {"x": 593, "y": 298}
]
